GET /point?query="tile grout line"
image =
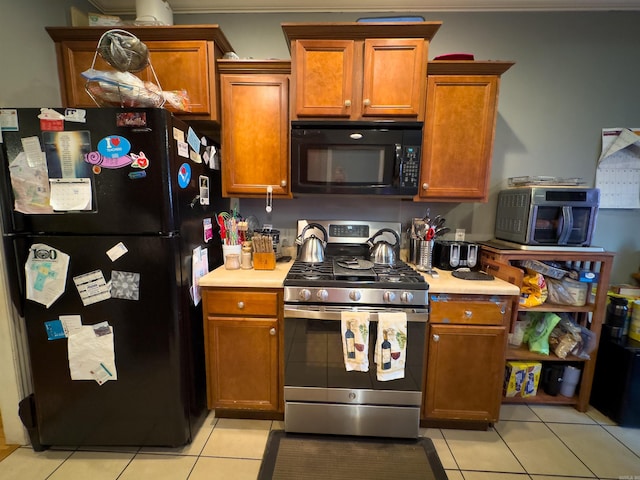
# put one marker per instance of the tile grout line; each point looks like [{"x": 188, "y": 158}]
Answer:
[
  {"x": 509, "y": 448},
  {"x": 569, "y": 448}
]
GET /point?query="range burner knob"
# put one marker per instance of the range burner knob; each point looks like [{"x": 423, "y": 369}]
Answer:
[
  {"x": 389, "y": 297},
  {"x": 323, "y": 295},
  {"x": 355, "y": 295},
  {"x": 305, "y": 294},
  {"x": 406, "y": 297}
]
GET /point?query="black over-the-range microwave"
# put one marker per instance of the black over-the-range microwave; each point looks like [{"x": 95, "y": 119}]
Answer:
[{"x": 355, "y": 158}]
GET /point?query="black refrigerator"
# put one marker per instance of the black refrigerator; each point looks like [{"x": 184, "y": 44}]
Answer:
[{"x": 108, "y": 220}]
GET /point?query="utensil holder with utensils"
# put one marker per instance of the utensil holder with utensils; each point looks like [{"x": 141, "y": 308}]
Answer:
[
  {"x": 425, "y": 260},
  {"x": 264, "y": 257}
]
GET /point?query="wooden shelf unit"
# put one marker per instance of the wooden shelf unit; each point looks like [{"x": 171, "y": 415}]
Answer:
[{"x": 501, "y": 264}]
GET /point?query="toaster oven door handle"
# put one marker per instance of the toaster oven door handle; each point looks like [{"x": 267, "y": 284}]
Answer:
[{"x": 567, "y": 225}]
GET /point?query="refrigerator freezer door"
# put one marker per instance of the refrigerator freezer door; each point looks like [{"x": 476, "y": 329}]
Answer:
[
  {"x": 157, "y": 343},
  {"x": 134, "y": 193}
]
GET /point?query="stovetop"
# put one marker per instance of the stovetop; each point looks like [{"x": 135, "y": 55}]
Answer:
[
  {"x": 329, "y": 283},
  {"x": 346, "y": 277},
  {"x": 348, "y": 271}
]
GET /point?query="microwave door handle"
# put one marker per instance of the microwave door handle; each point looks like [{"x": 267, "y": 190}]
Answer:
[{"x": 567, "y": 225}]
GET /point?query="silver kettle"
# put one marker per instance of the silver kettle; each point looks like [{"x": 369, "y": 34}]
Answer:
[
  {"x": 382, "y": 252},
  {"x": 311, "y": 248}
]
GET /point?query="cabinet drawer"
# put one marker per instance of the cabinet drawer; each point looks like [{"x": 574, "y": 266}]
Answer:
[
  {"x": 241, "y": 302},
  {"x": 470, "y": 311}
]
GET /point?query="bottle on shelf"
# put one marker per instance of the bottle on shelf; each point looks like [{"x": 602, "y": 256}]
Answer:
[{"x": 616, "y": 319}]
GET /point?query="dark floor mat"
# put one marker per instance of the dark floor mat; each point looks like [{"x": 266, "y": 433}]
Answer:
[{"x": 290, "y": 456}]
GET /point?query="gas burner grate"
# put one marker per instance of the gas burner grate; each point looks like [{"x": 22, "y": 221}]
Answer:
[{"x": 316, "y": 273}]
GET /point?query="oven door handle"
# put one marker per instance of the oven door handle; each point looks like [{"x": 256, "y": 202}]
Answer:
[
  {"x": 567, "y": 225},
  {"x": 335, "y": 313}
]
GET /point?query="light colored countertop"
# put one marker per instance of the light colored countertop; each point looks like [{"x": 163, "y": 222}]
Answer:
[
  {"x": 445, "y": 283},
  {"x": 221, "y": 277}
]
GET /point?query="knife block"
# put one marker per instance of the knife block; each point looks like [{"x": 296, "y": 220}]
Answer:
[{"x": 264, "y": 261}]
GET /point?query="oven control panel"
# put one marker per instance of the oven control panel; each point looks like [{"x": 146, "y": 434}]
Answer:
[{"x": 357, "y": 296}]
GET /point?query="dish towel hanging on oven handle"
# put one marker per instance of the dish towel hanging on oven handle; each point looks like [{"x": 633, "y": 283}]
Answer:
[
  {"x": 355, "y": 340},
  {"x": 391, "y": 345}
]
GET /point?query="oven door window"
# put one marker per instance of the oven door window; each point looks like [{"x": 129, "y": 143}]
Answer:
[
  {"x": 314, "y": 358},
  {"x": 347, "y": 165},
  {"x": 566, "y": 225}
]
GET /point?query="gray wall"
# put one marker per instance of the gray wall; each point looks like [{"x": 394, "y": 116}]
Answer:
[{"x": 575, "y": 74}]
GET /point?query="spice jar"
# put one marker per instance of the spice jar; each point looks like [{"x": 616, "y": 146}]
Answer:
[{"x": 245, "y": 256}]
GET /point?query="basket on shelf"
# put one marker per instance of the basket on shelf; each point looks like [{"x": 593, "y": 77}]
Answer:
[{"x": 127, "y": 55}]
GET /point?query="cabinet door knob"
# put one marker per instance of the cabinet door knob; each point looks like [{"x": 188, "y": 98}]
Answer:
[
  {"x": 436, "y": 338},
  {"x": 347, "y": 103},
  {"x": 240, "y": 305},
  {"x": 272, "y": 332},
  {"x": 468, "y": 313},
  {"x": 425, "y": 186},
  {"x": 283, "y": 183},
  {"x": 366, "y": 102}
]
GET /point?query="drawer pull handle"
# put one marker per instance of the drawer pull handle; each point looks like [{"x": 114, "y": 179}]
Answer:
[
  {"x": 240, "y": 305},
  {"x": 468, "y": 313},
  {"x": 272, "y": 331},
  {"x": 436, "y": 338}
]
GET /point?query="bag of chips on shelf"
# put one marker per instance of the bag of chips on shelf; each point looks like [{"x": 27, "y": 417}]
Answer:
[{"x": 534, "y": 289}]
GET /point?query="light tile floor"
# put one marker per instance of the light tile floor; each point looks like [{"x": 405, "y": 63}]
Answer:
[{"x": 531, "y": 442}]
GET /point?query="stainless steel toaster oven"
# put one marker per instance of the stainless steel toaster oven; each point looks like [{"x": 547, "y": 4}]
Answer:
[{"x": 563, "y": 216}]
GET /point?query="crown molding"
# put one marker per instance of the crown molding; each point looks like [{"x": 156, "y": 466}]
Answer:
[{"x": 128, "y": 7}]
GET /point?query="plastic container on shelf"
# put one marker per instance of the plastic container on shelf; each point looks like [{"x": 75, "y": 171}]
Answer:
[{"x": 570, "y": 379}]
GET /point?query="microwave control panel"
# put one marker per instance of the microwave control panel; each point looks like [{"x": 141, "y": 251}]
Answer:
[{"x": 408, "y": 157}]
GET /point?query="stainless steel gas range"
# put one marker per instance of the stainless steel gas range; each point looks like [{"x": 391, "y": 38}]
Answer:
[{"x": 321, "y": 395}]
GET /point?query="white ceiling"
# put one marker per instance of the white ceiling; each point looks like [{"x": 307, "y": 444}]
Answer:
[{"x": 128, "y": 7}]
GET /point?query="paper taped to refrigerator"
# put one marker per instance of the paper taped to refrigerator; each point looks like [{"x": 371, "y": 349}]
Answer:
[
  {"x": 45, "y": 273},
  {"x": 92, "y": 356},
  {"x": 70, "y": 194},
  {"x": 92, "y": 287},
  {"x": 30, "y": 186},
  {"x": 125, "y": 285}
]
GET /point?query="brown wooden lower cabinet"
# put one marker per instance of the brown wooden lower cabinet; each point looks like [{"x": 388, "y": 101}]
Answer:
[
  {"x": 465, "y": 358},
  {"x": 464, "y": 372},
  {"x": 242, "y": 348}
]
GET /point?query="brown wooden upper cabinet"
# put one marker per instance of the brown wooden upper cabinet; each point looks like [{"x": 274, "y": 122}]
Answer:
[
  {"x": 255, "y": 127},
  {"x": 459, "y": 128},
  {"x": 183, "y": 57},
  {"x": 354, "y": 71}
]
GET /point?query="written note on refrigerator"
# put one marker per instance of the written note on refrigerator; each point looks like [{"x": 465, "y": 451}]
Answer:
[{"x": 91, "y": 354}]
